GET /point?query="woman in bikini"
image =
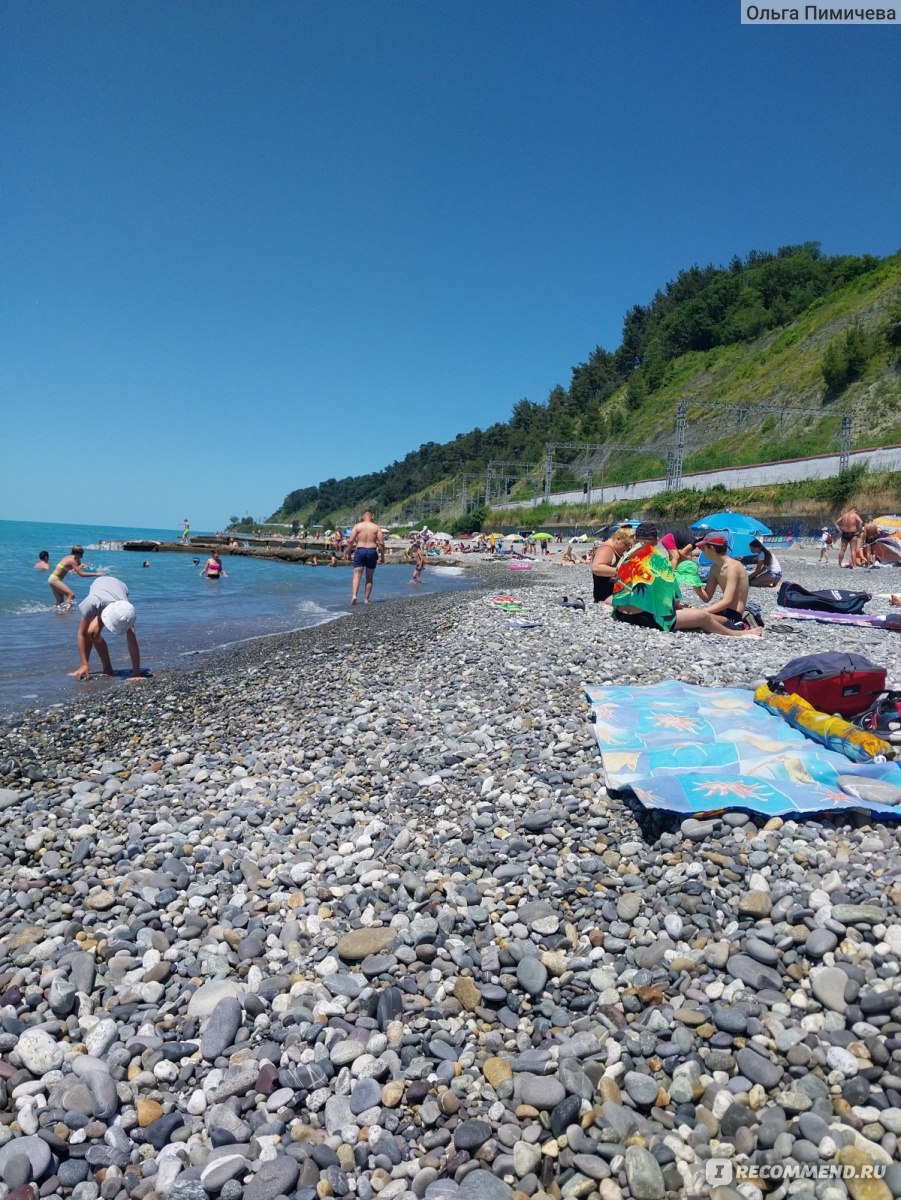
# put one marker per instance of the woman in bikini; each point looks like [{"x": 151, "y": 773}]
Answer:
[
  {"x": 62, "y": 593},
  {"x": 213, "y": 567}
]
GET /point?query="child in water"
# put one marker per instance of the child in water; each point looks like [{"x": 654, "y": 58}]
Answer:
[{"x": 62, "y": 593}]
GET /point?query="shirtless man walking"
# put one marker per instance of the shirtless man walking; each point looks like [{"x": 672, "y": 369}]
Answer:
[
  {"x": 367, "y": 545},
  {"x": 849, "y": 525},
  {"x": 732, "y": 579}
]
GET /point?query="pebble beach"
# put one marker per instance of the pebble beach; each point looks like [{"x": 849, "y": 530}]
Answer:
[{"x": 350, "y": 913}]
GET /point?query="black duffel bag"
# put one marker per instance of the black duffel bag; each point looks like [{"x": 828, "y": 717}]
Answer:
[{"x": 831, "y": 600}]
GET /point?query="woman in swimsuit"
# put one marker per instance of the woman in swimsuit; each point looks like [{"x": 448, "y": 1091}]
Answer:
[
  {"x": 63, "y": 594},
  {"x": 767, "y": 570},
  {"x": 604, "y": 560},
  {"x": 213, "y": 567}
]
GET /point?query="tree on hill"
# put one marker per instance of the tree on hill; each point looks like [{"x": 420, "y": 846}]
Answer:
[{"x": 702, "y": 308}]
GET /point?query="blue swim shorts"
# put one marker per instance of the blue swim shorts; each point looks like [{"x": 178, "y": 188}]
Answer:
[{"x": 366, "y": 558}]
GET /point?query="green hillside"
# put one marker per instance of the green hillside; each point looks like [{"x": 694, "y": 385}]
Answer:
[{"x": 767, "y": 352}]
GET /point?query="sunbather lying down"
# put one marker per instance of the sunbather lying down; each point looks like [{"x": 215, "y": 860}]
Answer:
[{"x": 896, "y": 600}]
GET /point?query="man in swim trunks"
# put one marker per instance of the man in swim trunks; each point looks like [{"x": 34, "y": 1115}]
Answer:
[
  {"x": 367, "y": 545},
  {"x": 849, "y": 525},
  {"x": 106, "y": 607},
  {"x": 730, "y": 576}
]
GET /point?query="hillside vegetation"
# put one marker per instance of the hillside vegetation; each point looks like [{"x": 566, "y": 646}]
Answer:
[{"x": 768, "y": 352}]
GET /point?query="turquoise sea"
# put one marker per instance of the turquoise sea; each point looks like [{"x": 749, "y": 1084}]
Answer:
[{"x": 180, "y": 613}]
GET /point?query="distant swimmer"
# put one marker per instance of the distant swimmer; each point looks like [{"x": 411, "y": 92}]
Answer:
[
  {"x": 367, "y": 545},
  {"x": 72, "y": 562},
  {"x": 43, "y": 563},
  {"x": 146, "y": 562},
  {"x": 213, "y": 567},
  {"x": 106, "y": 606}
]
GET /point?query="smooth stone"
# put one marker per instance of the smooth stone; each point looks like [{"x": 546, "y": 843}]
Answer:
[
  {"x": 208, "y": 995},
  {"x": 730, "y": 1020},
  {"x": 276, "y": 1177},
  {"x": 644, "y": 1174},
  {"x": 39, "y": 1052},
  {"x": 366, "y": 1093},
  {"x": 752, "y": 973},
  {"x": 496, "y": 1070},
  {"x": 467, "y": 993},
  {"x": 755, "y": 903},
  {"x": 820, "y": 942},
  {"x": 628, "y": 906},
  {"x": 482, "y": 1185},
  {"x": 32, "y": 1148},
  {"x": 858, "y": 914},
  {"x": 526, "y": 1157},
  {"x": 762, "y": 952},
  {"x": 839, "y": 1059},
  {"x": 471, "y": 1135},
  {"x": 828, "y": 986},
  {"x": 531, "y": 975},
  {"x": 361, "y": 943},
  {"x": 541, "y": 1091},
  {"x": 338, "y": 1114},
  {"x": 641, "y": 1088},
  {"x": 221, "y": 1028},
  {"x": 220, "y": 1170},
  {"x": 758, "y": 1068},
  {"x": 875, "y": 791}
]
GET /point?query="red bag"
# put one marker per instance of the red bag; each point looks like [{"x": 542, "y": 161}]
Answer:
[{"x": 846, "y": 684}]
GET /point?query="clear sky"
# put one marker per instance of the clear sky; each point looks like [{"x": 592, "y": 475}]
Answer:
[{"x": 251, "y": 244}]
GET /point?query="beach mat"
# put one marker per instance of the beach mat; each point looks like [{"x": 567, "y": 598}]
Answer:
[
  {"x": 689, "y": 749},
  {"x": 891, "y": 621}
]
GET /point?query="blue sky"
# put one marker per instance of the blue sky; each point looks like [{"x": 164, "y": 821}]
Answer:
[{"x": 249, "y": 246}]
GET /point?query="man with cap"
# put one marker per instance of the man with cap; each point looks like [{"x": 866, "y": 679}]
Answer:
[
  {"x": 645, "y": 593},
  {"x": 106, "y": 606},
  {"x": 730, "y": 576}
]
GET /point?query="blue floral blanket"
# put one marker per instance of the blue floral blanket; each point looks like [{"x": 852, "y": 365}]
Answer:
[{"x": 692, "y": 749}]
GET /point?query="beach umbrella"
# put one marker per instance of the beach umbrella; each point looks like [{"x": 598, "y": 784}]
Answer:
[
  {"x": 892, "y": 524},
  {"x": 543, "y": 537},
  {"x": 441, "y": 537},
  {"x": 739, "y": 529},
  {"x": 733, "y": 522},
  {"x": 512, "y": 537}
]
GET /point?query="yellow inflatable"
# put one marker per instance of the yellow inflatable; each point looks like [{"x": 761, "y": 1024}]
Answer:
[{"x": 832, "y": 732}]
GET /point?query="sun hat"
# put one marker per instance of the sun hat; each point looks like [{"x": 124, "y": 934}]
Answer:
[
  {"x": 118, "y": 616},
  {"x": 717, "y": 541}
]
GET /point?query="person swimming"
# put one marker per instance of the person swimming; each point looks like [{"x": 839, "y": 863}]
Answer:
[
  {"x": 43, "y": 563},
  {"x": 63, "y": 594}
]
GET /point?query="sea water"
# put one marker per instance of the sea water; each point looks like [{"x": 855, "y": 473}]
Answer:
[{"x": 181, "y": 614}]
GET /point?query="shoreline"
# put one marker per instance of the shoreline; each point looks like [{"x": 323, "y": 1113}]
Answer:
[{"x": 354, "y": 908}]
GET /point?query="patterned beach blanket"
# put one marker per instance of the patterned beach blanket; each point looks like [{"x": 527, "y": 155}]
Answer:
[
  {"x": 691, "y": 749},
  {"x": 870, "y": 620}
]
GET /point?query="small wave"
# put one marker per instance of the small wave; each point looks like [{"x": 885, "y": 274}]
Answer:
[
  {"x": 310, "y": 606},
  {"x": 27, "y": 607}
]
